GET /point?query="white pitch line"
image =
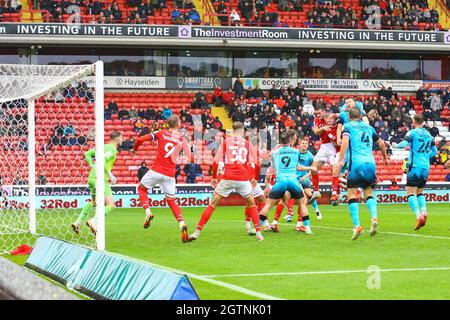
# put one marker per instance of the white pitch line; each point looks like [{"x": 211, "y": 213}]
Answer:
[
  {"x": 205, "y": 279},
  {"x": 381, "y": 232},
  {"x": 385, "y": 232},
  {"x": 318, "y": 272}
]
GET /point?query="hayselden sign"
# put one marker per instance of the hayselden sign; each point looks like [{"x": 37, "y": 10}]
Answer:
[
  {"x": 333, "y": 84},
  {"x": 226, "y": 33}
]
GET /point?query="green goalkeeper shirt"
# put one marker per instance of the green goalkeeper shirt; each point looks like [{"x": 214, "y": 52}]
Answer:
[{"x": 110, "y": 158}]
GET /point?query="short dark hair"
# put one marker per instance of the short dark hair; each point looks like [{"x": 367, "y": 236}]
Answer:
[
  {"x": 115, "y": 134},
  {"x": 355, "y": 113},
  {"x": 284, "y": 138},
  {"x": 419, "y": 119}
]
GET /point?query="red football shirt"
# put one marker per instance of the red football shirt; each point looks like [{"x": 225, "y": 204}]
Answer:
[
  {"x": 326, "y": 136},
  {"x": 170, "y": 144},
  {"x": 235, "y": 154}
]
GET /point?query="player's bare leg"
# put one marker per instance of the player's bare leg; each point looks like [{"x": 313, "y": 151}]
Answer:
[
  {"x": 353, "y": 206},
  {"x": 310, "y": 199},
  {"x": 371, "y": 204},
  {"x": 269, "y": 205},
  {"x": 206, "y": 215},
  {"x": 305, "y": 225},
  {"x": 315, "y": 178},
  {"x": 414, "y": 205},
  {"x": 290, "y": 210},
  {"x": 109, "y": 206},
  {"x": 335, "y": 186},
  {"x": 250, "y": 204}
]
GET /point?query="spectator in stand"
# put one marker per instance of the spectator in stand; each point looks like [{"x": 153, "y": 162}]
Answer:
[
  {"x": 42, "y": 179},
  {"x": 159, "y": 115},
  {"x": 235, "y": 19},
  {"x": 206, "y": 118},
  {"x": 217, "y": 124},
  {"x": 199, "y": 101},
  {"x": 146, "y": 9},
  {"x": 142, "y": 170},
  {"x": 238, "y": 88},
  {"x": 133, "y": 113},
  {"x": 218, "y": 96},
  {"x": 175, "y": 13},
  {"x": 123, "y": 114},
  {"x": 113, "y": 107},
  {"x": 72, "y": 140},
  {"x": 69, "y": 129},
  {"x": 150, "y": 113},
  {"x": 167, "y": 112},
  {"x": 138, "y": 125},
  {"x": 222, "y": 13},
  {"x": 228, "y": 97},
  {"x": 192, "y": 171},
  {"x": 194, "y": 16}
]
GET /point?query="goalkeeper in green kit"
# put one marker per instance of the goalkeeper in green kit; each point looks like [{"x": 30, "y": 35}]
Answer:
[{"x": 110, "y": 157}]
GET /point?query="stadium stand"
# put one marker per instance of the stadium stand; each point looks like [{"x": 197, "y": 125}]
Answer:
[
  {"x": 57, "y": 144},
  {"x": 394, "y": 14}
]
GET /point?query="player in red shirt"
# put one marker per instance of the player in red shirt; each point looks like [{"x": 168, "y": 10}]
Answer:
[
  {"x": 237, "y": 154},
  {"x": 325, "y": 125},
  {"x": 170, "y": 144}
]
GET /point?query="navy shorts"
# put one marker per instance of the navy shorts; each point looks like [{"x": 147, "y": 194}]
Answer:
[
  {"x": 286, "y": 184},
  {"x": 362, "y": 175},
  {"x": 417, "y": 177}
]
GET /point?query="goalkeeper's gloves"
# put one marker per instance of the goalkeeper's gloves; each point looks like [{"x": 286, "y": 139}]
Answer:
[{"x": 112, "y": 178}]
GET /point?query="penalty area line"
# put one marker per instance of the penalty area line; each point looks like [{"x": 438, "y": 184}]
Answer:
[
  {"x": 204, "y": 279},
  {"x": 322, "y": 272}
]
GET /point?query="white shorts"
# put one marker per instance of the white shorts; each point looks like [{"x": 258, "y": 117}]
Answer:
[
  {"x": 327, "y": 154},
  {"x": 167, "y": 184},
  {"x": 226, "y": 187},
  {"x": 258, "y": 191}
]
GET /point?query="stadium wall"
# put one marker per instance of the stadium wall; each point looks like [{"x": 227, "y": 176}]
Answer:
[{"x": 198, "y": 195}]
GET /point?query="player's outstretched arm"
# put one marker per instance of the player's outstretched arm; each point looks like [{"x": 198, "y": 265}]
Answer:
[{"x": 141, "y": 140}]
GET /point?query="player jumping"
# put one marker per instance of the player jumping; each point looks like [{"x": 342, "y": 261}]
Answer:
[
  {"x": 325, "y": 126},
  {"x": 284, "y": 162},
  {"x": 358, "y": 139},
  {"x": 237, "y": 154},
  {"x": 170, "y": 144},
  {"x": 110, "y": 157},
  {"x": 421, "y": 149}
]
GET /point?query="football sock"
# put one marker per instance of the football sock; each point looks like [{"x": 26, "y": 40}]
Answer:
[
  {"x": 255, "y": 218},
  {"x": 278, "y": 211},
  {"x": 414, "y": 204},
  {"x": 205, "y": 217},
  {"x": 261, "y": 205},
  {"x": 299, "y": 215},
  {"x": 315, "y": 205},
  {"x": 290, "y": 205},
  {"x": 372, "y": 206},
  {"x": 315, "y": 181},
  {"x": 353, "y": 206},
  {"x": 422, "y": 203},
  {"x": 175, "y": 209},
  {"x": 143, "y": 198},
  {"x": 86, "y": 209},
  {"x": 247, "y": 215},
  {"x": 335, "y": 185},
  {"x": 306, "y": 221}
]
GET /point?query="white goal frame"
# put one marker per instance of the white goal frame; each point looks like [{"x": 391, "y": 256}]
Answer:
[{"x": 99, "y": 145}]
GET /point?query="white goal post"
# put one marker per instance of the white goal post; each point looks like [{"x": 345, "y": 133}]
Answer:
[{"x": 50, "y": 115}]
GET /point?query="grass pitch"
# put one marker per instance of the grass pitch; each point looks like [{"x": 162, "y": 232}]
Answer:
[{"x": 226, "y": 263}]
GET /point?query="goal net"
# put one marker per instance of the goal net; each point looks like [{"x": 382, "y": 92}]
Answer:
[{"x": 49, "y": 117}]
